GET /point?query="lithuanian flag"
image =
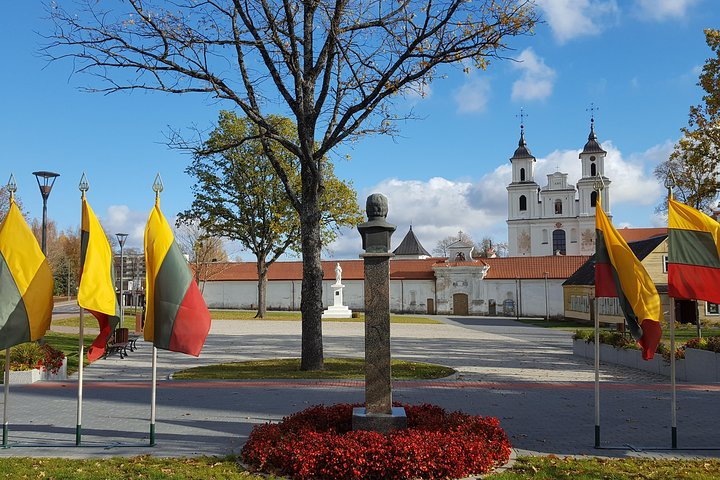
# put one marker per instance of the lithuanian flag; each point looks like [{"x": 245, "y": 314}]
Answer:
[
  {"x": 96, "y": 292},
  {"x": 618, "y": 273},
  {"x": 26, "y": 283},
  {"x": 176, "y": 316},
  {"x": 693, "y": 254}
]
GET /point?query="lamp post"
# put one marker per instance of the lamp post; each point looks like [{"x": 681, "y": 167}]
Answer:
[
  {"x": 121, "y": 240},
  {"x": 45, "y": 181},
  {"x": 547, "y": 314}
]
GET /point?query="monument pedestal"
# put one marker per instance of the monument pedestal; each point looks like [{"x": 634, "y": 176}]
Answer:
[
  {"x": 337, "y": 310},
  {"x": 379, "y": 422}
]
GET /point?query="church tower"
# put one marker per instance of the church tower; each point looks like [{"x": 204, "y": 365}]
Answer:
[{"x": 522, "y": 197}]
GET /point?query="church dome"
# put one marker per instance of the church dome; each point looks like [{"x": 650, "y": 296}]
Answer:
[
  {"x": 522, "y": 151},
  {"x": 592, "y": 145}
]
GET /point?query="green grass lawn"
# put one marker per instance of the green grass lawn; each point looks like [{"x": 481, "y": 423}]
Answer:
[
  {"x": 552, "y": 467},
  {"x": 227, "y": 468},
  {"x": 68, "y": 344},
  {"x": 90, "y": 321},
  {"x": 129, "y": 321},
  {"x": 289, "y": 368},
  {"x": 295, "y": 316}
]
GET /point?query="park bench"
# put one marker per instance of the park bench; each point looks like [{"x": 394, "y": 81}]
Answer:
[{"x": 119, "y": 343}]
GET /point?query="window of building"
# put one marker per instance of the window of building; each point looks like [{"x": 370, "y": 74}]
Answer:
[
  {"x": 523, "y": 203},
  {"x": 544, "y": 236},
  {"x": 558, "y": 207},
  {"x": 712, "y": 309},
  {"x": 522, "y": 174},
  {"x": 593, "y": 170},
  {"x": 593, "y": 198},
  {"x": 580, "y": 303},
  {"x": 665, "y": 263},
  {"x": 559, "y": 247}
]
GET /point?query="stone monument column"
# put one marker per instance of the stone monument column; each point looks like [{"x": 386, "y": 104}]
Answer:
[{"x": 378, "y": 413}]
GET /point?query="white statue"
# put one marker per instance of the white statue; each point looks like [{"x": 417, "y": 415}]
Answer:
[{"x": 338, "y": 274}]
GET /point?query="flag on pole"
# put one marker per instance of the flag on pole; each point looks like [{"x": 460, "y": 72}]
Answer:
[
  {"x": 693, "y": 254},
  {"x": 618, "y": 273},
  {"x": 26, "y": 283},
  {"x": 96, "y": 292},
  {"x": 176, "y": 316}
]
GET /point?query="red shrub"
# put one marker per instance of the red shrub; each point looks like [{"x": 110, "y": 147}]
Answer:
[{"x": 318, "y": 443}]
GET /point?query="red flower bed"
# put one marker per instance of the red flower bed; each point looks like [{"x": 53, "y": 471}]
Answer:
[{"x": 318, "y": 443}]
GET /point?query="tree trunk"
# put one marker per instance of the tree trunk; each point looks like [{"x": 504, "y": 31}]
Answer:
[
  {"x": 311, "y": 301},
  {"x": 262, "y": 288}
]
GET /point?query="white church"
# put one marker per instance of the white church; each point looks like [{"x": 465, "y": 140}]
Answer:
[
  {"x": 551, "y": 232},
  {"x": 557, "y": 219}
]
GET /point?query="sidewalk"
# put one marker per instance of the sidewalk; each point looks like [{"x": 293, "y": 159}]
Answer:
[{"x": 526, "y": 376}]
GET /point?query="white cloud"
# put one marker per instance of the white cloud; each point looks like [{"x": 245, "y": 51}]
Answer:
[
  {"x": 473, "y": 95},
  {"x": 439, "y": 207},
  {"x": 632, "y": 179},
  {"x": 537, "y": 79},
  {"x": 570, "y": 19},
  {"x": 660, "y": 10},
  {"x": 120, "y": 219}
]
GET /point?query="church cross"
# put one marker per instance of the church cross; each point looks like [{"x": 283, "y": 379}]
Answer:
[
  {"x": 592, "y": 109},
  {"x": 522, "y": 116}
]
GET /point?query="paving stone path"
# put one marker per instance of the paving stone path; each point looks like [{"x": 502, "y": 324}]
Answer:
[{"x": 524, "y": 375}]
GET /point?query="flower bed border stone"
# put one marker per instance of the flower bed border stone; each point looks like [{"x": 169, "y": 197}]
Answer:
[{"x": 27, "y": 377}]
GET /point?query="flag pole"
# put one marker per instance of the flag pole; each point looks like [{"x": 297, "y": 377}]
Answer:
[
  {"x": 153, "y": 396},
  {"x": 78, "y": 427},
  {"x": 7, "y": 393},
  {"x": 669, "y": 184},
  {"x": 673, "y": 390},
  {"x": 596, "y": 320}
]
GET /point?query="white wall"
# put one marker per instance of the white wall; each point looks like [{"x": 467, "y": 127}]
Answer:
[{"x": 406, "y": 296}]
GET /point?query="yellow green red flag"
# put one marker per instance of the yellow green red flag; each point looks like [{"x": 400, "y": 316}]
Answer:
[
  {"x": 96, "y": 292},
  {"x": 176, "y": 316},
  {"x": 693, "y": 254},
  {"x": 26, "y": 283},
  {"x": 619, "y": 273}
]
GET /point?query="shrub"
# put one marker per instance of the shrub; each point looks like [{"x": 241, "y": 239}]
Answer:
[
  {"x": 318, "y": 443},
  {"x": 609, "y": 337},
  {"x": 30, "y": 355}
]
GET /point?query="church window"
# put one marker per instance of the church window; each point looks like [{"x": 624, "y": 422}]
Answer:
[
  {"x": 558, "y": 207},
  {"x": 593, "y": 170},
  {"x": 544, "y": 235},
  {"x": 593, "y": 199},
  {"x": 559, "y": 247},
  {"x": 523, "y": 203},
  {"x": 573, "y": 235},
  {"x": 522, "y": 174}
]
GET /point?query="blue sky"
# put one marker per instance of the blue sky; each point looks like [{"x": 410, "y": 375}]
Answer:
[{"x": 638, "y": 61}]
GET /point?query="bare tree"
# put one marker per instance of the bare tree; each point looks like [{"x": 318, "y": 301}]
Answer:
[
  {"x": 203, "y": 250},
  {"x": 334, "y": 66}
]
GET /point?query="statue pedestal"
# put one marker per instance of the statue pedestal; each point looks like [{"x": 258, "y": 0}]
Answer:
[
  {"x": 379, "y": 422},
  {"x": 337, "y": 310}
]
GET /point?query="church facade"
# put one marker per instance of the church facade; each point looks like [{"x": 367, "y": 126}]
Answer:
[{"x": 559, "y": 218}]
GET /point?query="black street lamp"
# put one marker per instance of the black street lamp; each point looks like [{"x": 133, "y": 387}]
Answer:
[{"x": 45, "y": 180}]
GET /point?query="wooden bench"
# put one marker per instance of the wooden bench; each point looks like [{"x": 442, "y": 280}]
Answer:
[{"x": 119, "y": 343}]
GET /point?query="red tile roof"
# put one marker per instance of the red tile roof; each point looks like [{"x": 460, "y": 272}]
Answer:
[{"x": 559, "y": 266}]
